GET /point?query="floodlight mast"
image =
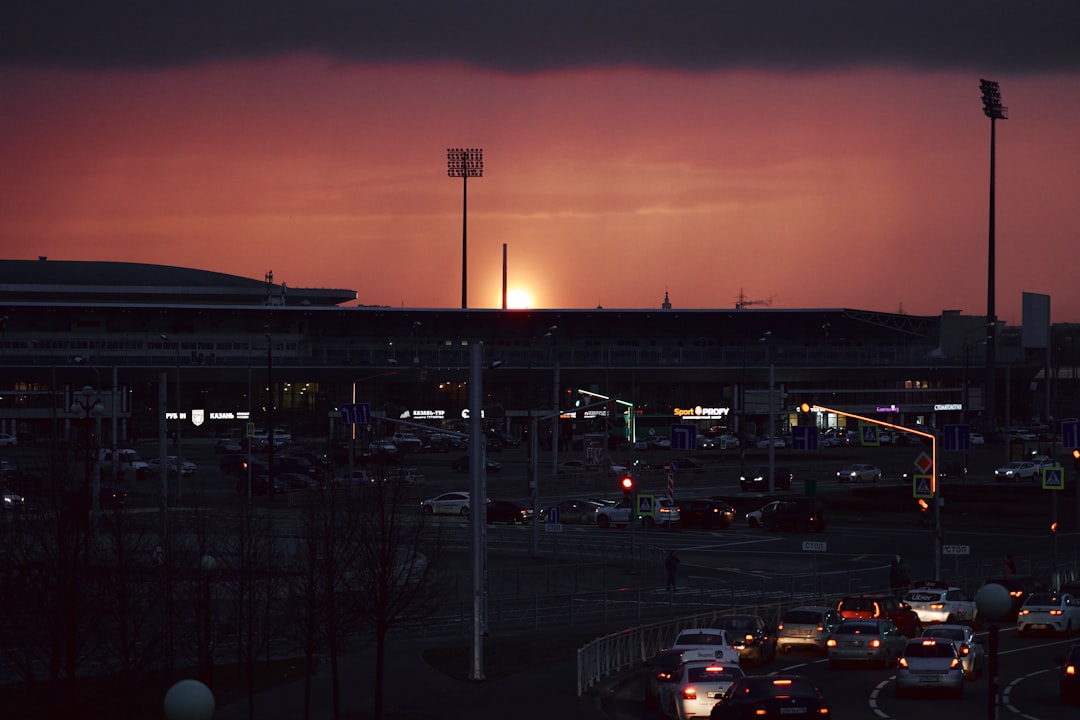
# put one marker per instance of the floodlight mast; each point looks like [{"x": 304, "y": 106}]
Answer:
[
  {"x": 807, "y": 407},
  {"x": 464, "y": 163},
  {"x": 993, "y": 109}
]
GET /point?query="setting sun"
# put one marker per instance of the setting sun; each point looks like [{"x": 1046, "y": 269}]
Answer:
[{"x": 518, "y": 299}]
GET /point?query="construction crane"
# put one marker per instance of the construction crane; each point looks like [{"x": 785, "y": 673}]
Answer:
[{"x": 742, "y": 302}]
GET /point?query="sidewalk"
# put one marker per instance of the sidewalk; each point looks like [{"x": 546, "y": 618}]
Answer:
[{"x": 414, "y": 690}]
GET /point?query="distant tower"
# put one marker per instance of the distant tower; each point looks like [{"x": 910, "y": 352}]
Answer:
[{"x": 667, "y": 302}]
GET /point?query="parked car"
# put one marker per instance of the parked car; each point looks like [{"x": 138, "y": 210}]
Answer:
[
  {"x": 1050, "y": 612},
  {"x": 929, "y": 664},
  {"x": 858, "y": 473},
  {"x": 300, "y": 465},
  {"x": 1017, "y": 471},
  {"x": 971, "y": 651},
  {"x": 8, "y": 440},
  {"x": 777, "y": 441},
  {"x": 806, "y": 628},
  {"x": 751, "y": 636},
  {"x": 697, "y": 686},
  {"x": 936, "y": 604},
  {"x": 294, "y": 481},
  {"x": 260, "y": 485},
  {"x": 11, "y": 501},
  {"x": 228, "y": 445},
  {"x": 233, "y": 464},
  {"x": 407, "y": 442},
  {"x": 754, "y": 517},
  {"x": 663, "y": 513},
  {"x": 771, "y": 696},
  {"x": 450, "y": 503},
  {"x": 870, "y": 606},
  {"x": 704, "y": 513},
  {"x": 112, "y": 497},
  {"x": 1069, "y": 676},
  {"x": 757, "y": 479},
  {"x": 876, "y": 641},
  {"x": 507, "y": 511}
]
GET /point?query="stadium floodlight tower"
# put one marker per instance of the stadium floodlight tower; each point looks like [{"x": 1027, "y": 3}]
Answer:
[
  {"x": 464, "y": 163},
  {"x": 993, "y": 109}
]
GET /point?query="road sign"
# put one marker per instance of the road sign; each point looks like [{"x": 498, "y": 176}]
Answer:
[
  {"x": 813, "y": 545},
  {"x": 158, "y": 555},
  {"x": 1070, "y": 434},
  {"x": 553, "y": 527},
  {"x": 553, "y": 515},
  {"x": 355, "y": 413},
  {"x": 924, "y": 463},
  {"x": 921, "y": 486},
  {"x": 645, "y": 504},
  {"x": 956, "y": 437},
  {"x": 683, "y": 436},
  {"x": 805, "y": 437},
  {"x": 869, "y": 434},
  {"x": 1053, "y": 478},
  {"x": 955, "y": 549}
]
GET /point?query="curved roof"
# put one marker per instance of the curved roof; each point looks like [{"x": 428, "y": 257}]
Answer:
[{"x": 46, "y": 280}]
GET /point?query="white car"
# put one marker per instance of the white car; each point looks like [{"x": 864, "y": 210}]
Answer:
[
  {"x": 976, "y": 439},
  {"x": 8, "y": 440},
  {"x": 857, "y": 473},
  {"x": 187, "y": 468},
  {"x": 941, "y": 605},
  {"x": 777, "y": 442},
  {"x": 11, "y": 501},
  {"x": 451, "y": 503},
  {"x": 698, "y": 686},
  {"x": 1017, "y": 471},
  {"x": 753, "y": 518},
  {"x": 1053, "y": 612},
  {"x": 971, "y": 651},
  {"x": 713, "y": 644},
  {"x": 727, "y": 442}
]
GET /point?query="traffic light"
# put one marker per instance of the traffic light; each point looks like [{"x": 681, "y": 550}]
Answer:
[
  {"x": 1076, "y": 460},
  {"x": 627, "y": 484},
  {"x": 1053, "y": 528},
  {"x": 924, "y": 510}
]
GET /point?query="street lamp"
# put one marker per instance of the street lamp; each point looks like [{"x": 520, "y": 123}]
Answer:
[
  {"x": 993, "y": 109},
  {"x": 534, "y": 450},
  {"x": 992, "y": 602},
  {"x": 464, "y": 163}
]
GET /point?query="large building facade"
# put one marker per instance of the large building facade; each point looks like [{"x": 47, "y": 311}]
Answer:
[{"x": 150, "y": 342}]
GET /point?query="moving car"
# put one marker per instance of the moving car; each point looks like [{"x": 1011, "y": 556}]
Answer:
[
  {"x": 706, "y": 514},
  {"x": 865, "y": 641},
  {"x": 881, "y": 606},
  {"x": 972, "y": 653},
  {"x": 662, "y": 512},
  {"x": 1069, "y": 677},
  {"x": 798, "y": 514},
  {"x": 754, "y": 640},
  {"x": 706, "y": 644},
  {"x": 451, "y": 503},
  {"x": 929, "y": 664},
  {"x": 1019, "y": 587},
  {"x": 1017, "y": 471},
  {"x": 858, "y": 473},
  {"x": 574, "y": 512},
  {"x": 779, "y": 695},
  {"x": 1052, "y": 612},
  {"x": 757, "y": 479},
  {"x": 807, "y": 627},
  {"x": 507, "y": 511},
  {"x": 663, "y": 667},
  {"x": 697, "y": 686},
  {"x": 936, "y": 604}
]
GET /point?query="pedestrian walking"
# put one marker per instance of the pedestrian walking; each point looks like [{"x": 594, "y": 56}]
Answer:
[
  {"x": 1010, "y": 565},
  {"x": 671, "y": 564}
]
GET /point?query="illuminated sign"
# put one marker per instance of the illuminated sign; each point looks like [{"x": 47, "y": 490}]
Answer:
[
  {"x": 702, "y": 413},
  {"x": 940, "y": 407},
  {"x": 423, "y": 414},
  {"x": 888, "y": 409},
  {"x": 198, "y": 416}
]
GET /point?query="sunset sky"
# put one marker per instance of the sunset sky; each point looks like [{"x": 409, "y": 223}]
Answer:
[{"x": 812, "y": 154}]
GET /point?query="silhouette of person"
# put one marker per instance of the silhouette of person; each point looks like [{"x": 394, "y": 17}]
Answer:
[{"x": 671, "y": 564}]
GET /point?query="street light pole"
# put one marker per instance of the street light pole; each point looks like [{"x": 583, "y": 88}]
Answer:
[
  {"x": 89, "y": 408},
  {"x": 464, "y": 163},
  {"x": 477, "y": 512},
  {"x": 993, "y": 109}
]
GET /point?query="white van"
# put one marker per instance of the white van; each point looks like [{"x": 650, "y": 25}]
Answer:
[{"x": 129, "y": 464}]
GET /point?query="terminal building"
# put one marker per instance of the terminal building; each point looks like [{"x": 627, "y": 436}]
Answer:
[{"x": 137, "y": 343}]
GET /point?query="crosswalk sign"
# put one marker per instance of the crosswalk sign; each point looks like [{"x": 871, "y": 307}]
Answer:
[
  {"x": 921, "y": 486},
  {"x": 645, "y": 504},
  {"x": 1053, "y": 478},
  {"x": 869, "y": 434}
]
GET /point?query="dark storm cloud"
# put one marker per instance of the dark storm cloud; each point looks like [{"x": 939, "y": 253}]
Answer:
[{"x": 533, "y": 35}]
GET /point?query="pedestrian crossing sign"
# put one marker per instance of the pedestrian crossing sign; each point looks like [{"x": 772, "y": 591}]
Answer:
[
  {"x": 869, "y": 434},
  {"x": 921, "y": 486},
  {"x": 645, "y": 504},
  {"x": 1053, "y": 478}
]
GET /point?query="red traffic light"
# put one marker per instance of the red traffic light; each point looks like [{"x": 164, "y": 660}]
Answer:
[
  {"x": 923, "y": 505},
  {"x": 627, "y": 483},
  {"x": 1053, "y": 528}
]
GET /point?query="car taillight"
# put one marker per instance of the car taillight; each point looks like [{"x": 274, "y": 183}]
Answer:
[
  {"x": 1056, "y": 612},
  {"x": 964, "y": 649},
  {"x": 1024, "y": 612},
  {"x": 875, "y": 643},
  {"x": 821, "y": 628},
  {"x": 937, "y": 606},
  {"x": 1070, "y": 669},
  {"x": 689, "y": 693},
  {"x": 830, "y": 643},
  {"x": 955, "y": 663},
  {"x": 902, "y": 662}
]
